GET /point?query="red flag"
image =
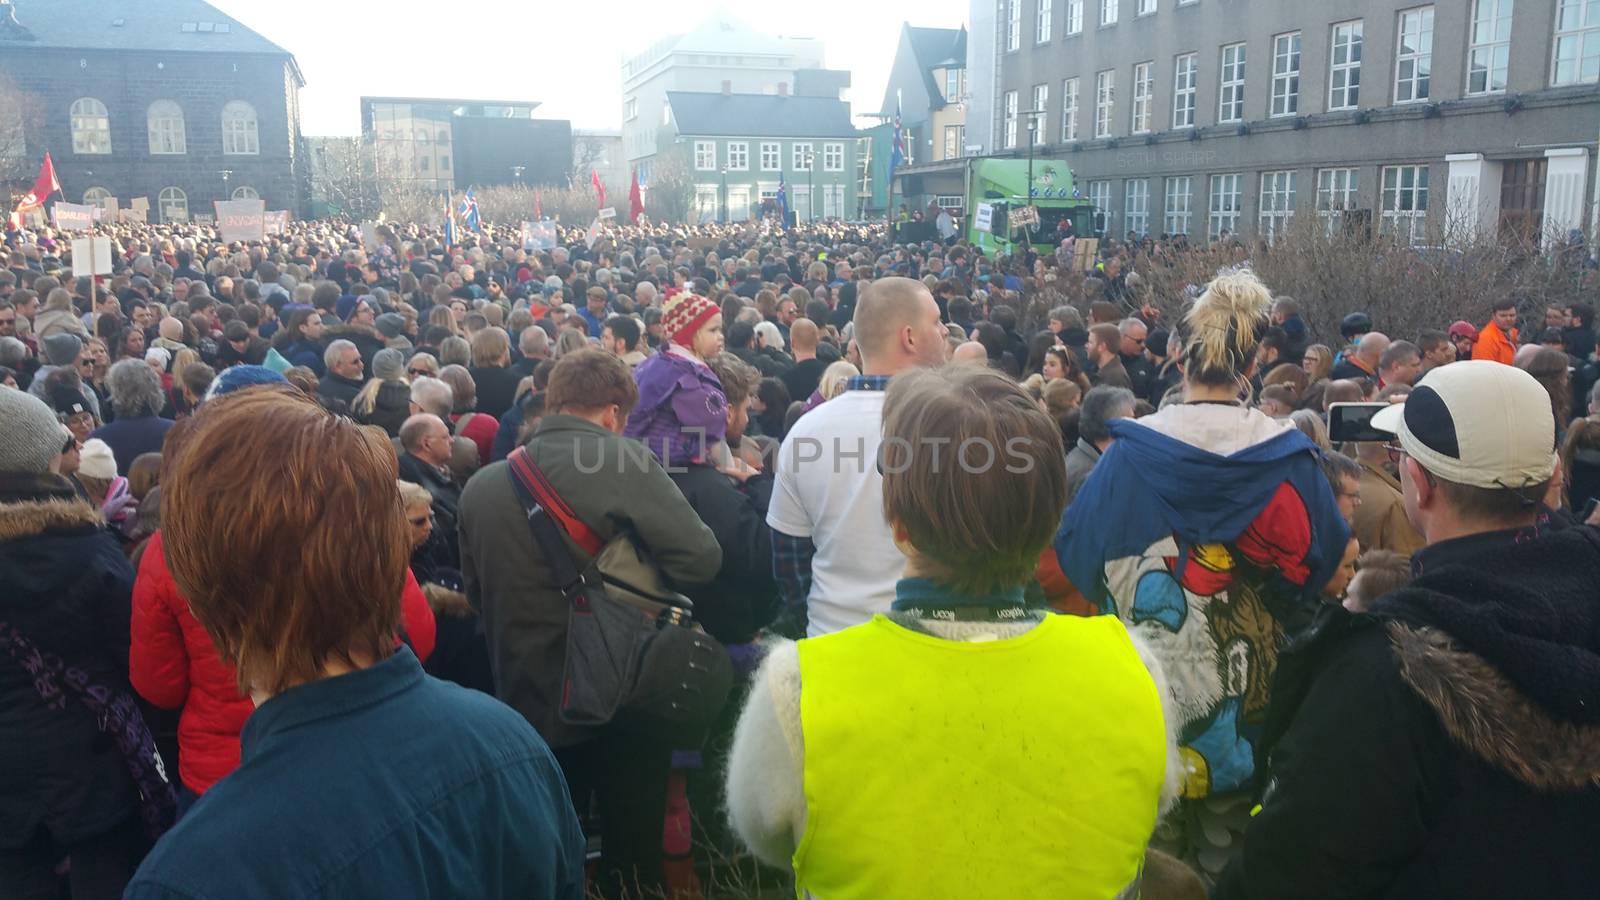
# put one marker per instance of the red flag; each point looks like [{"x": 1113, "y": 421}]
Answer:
[
  {"x": 635, "y": 200},
  {"x": 594, "y": 179},
  {"x": 45, "y": 185},
  {"x": 538, "y": 208}
]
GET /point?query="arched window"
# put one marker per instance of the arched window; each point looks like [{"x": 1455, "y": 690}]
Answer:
[
  {"x": 245, "y": 192},
  {"x": 96, "y": 196},
  {"x": 173, "y": 205},
  {"x": 239, "y": 135},
  {"x": 165, "y": 119},
  {"x": 91, "y": 126}
]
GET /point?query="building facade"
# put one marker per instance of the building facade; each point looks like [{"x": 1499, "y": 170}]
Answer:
[
  {"x": 1427, "y": 121},
  {"x": 600, "y": 151},
  {"x": 176, "y": 103},
  {"x": 441, "y": 144},
  {"x": 722, "y": 54},
  {"x": 740, "y": 147}
]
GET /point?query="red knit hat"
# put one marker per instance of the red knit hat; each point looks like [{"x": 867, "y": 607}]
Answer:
[{"x": 685, "y": 314}]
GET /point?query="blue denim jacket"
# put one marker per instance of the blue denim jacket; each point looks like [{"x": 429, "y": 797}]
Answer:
[{"x": 383, "y": 783}]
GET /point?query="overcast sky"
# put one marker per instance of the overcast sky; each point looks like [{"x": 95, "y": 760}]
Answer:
[{"x": 566, "y": 55}]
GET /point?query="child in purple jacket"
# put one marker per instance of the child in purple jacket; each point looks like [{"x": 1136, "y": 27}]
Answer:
[{"x": 682, "y": 413}]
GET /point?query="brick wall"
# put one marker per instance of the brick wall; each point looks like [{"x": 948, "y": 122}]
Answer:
[{"x": 127, "y": 83}]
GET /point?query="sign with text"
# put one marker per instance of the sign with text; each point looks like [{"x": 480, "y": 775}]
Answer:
[
  {"x": 609, "y": 212},
  {"x": 1027, "y": 215},
  {"x": 592, "y": 235},
  {"x": 983, "y": 218},
  {"x": 73, "y": 216},
  {"x": 1084, "y": 253},
  {"x": 277, "y": 221},
  {"x": 241, "y": 220},
  {"x": 539, "y": 235},
  {"x": 134, "y": 216},
  {"x": 91, "y": 256}
]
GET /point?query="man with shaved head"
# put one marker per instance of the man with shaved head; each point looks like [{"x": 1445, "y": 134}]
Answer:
[
  {"x": 833, "y": 553},
  {"x": 803, "y": 377},
  {"x": 1363, "y": 363}
]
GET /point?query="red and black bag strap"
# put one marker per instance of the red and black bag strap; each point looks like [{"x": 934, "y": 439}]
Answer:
[{"x": 528, "y": 474}]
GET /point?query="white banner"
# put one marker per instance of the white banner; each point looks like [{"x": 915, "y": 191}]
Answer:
[
  {"x": 983, "y": 220},
  {"x": 73, "y": 216},
  {"x": 241, "y": 220}
]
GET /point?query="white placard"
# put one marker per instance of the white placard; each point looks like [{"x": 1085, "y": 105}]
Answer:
[
  {"x": 97, "y": 261},
  {"x": 983, "y": 220}
]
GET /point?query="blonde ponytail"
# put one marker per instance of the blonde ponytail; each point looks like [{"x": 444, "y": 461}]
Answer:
[{"x": 1223, "y": 328}]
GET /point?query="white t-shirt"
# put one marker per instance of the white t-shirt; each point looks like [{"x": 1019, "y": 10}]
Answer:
[{"x": 829, "y": 489}]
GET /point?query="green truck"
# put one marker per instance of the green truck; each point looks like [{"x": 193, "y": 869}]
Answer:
[{"x": 995, "y": 187}]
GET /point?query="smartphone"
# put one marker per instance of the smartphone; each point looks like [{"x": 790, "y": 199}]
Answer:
[{"x": 1353, "y": 422}]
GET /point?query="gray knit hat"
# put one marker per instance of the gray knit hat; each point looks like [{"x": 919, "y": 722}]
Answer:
[
  {"x": 391, "y": 325},
  {"x": 32, "y": 436},
  {"x": 62, "y": 349},
  {"x": 388, "y": 364}
]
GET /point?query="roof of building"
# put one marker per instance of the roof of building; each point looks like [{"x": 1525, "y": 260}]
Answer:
[
  {"x": 938, "y": 48},
  {"x": 759, "y": 115},
  {"x": 182, "y": 26}
]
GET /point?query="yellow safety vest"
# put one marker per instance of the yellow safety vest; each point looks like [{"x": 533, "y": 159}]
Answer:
[{"x": 1027, "y": 767}]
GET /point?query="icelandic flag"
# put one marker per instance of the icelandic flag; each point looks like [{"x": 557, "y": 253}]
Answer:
[
  {"x": 449, "y": 225},
  {"x": 469, "y": 212},
  {"x": 897, "y": 157},
  {"x": 783, "y": 201}
]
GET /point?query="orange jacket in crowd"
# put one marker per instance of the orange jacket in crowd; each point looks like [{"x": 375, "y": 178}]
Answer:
[{"x": 1494, "y": 345}]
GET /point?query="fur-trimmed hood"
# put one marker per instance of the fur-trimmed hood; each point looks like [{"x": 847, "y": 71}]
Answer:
[
  {"x": 1481, "y": 710},
  {"x": 447, "y": 602},
  {"x": 31, "y": 518}
]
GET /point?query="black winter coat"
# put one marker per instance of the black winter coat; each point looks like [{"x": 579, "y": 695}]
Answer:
[
  {"x": 390, "y": 408},
  {"x": 67, "y": 587},
  {"x": 743, "y": 598},
  {"x": 1445, "y": 745}
]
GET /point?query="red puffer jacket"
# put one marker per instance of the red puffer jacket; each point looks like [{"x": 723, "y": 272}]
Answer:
[{"x": 173, "y": 664}]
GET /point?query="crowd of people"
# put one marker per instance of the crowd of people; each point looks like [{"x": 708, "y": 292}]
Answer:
[{"x": 1030, "y": 583}]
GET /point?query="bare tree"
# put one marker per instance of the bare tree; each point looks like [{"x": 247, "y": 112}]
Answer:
[{"x": 21, "y": 117}]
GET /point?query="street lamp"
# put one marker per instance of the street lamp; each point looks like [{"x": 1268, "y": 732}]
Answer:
[
  {"x": 722, "y": 210},
  {"x": 226, "y": 174},
  {"x": 516, "y": 174},
  {"x": 811, "y": 187}
]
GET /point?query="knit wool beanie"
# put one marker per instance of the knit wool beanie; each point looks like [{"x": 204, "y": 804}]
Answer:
[
  {"x": 62, "y": 349},
  {"x": 389, "y": 364},
  {"x": 32, "y": 437},
  {"x": 96, "y": 460},
  {"x": 684, "y": 314}
]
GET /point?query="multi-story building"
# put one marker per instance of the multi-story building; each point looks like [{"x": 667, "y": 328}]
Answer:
[
  {"x": 1206, "y": 116},
  {"x": 440, "y": 144},
  {"x": 176, "y": 103},
  {"x": 737, "y": 146},
  {"x": 721, "y": 55},
  {"x": 928, "y": 87}
]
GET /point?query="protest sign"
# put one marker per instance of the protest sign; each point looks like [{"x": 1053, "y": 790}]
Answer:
[
  {"x": 241, "y": 220},
  {"x": 539, "y": 235},
  {"x": 983, "y": 219},
  {"x": 277, "y": 221},
  {"x": 73, "y": 216},
  {"x": 1027, "y": 215},
  {"x": 91, "y": 256}
]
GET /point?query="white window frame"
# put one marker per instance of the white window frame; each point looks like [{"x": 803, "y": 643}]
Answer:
[
  {"x": 1144, "y": 92},
  {"x": 164, "y": 120},
  {"x": 1411, "y": 222},
  {"x": 96, "y": 196},
  {"x": 1344, "y": 78},
  {"x": 241, "y": 134},
  {"x": 1285, "y": 75},
  {"x": 953, "y": 202},
  {"x": 1230, "y": 85},
  {"x": 630, "y": 108},
  {"x": 1009, "y": 109},
  {"x": 797, "y": 156},
  {"x": 1185, "y": 88},
  {"x": 1226, "y": 206},
  {"x": 1069, "y": 109},
  {"x": 1108, "y": 12},
  {"x": 1042, "y": 22},
  {"x": 705, "y": 156},
  {"x": 1277, "y": 202},
  {"x": 1179, "y": 205},
  {"x": 833, "y": 201},
  {"x": 1040, "y": 112},
  {"x": 245, "y": 192},
  {"x": 833, "y": 157},
  {"x": 1575, "y": 55},
  {"x": 1136, "y": 206},
  {"x": 91, "y": 127},
  {"x": 1338, "y": 190},
  {"x": 953, "y": 138},
  {"x": 1100, "y": 197},
  {"x": 1074, "y": 17},
  {"x": 1105, "y": 93},
  {"x": 1489, "y": 46},
  {"x": 771, "y": 156},
  {"x": 738, "y": 156},
  {"x": 1013, "y": 25},
  {"x": 1146, "y": 8},
  {"x": 1413, "y": 69},
  {"x": 172, "y": 200}
]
